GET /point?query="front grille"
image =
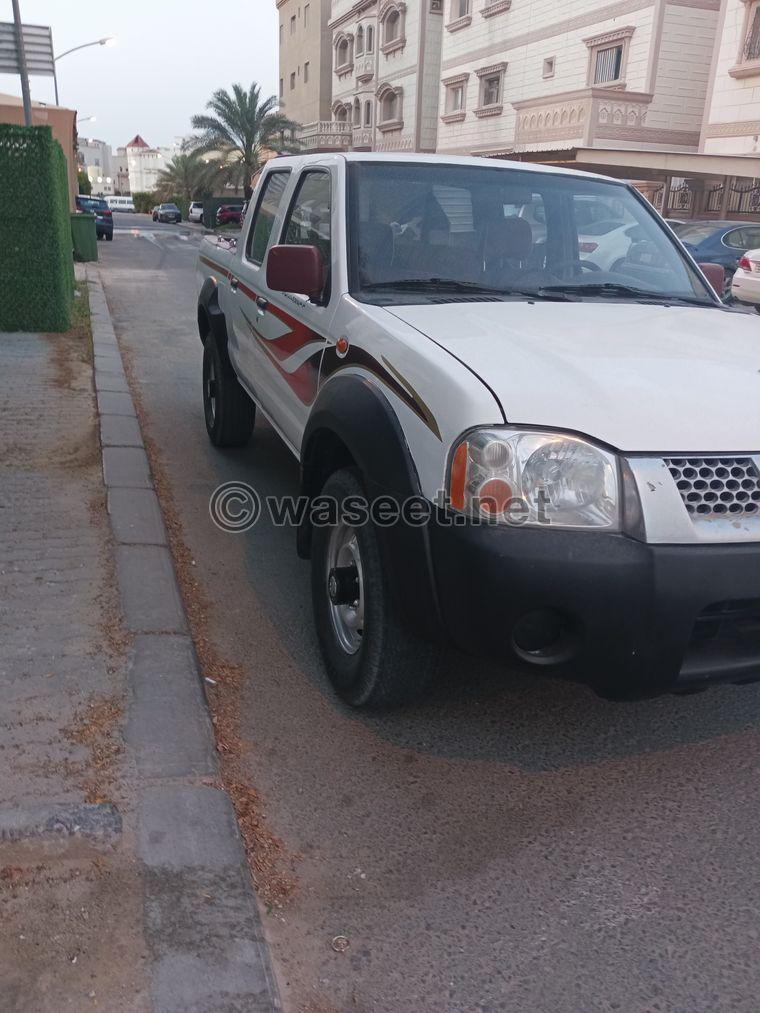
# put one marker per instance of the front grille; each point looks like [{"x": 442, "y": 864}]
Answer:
[{"x": 721, "y": 486}]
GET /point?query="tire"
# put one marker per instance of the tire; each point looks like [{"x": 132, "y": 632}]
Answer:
[
  {"x": 227, "y": 409},
  {"x": 376, "y": 663}
]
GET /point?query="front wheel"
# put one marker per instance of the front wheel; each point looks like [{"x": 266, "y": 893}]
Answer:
[
  {"x": 372, "y": 659},
  {"x": 228, "y": 411}
]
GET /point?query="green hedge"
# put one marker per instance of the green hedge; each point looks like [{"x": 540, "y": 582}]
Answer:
[{"x": 36, "y": 263}]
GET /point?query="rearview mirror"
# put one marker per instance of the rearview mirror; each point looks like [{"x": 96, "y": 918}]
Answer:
[
  {"x": 296, "y": 269},
  {"x": 716, "y": 276}
]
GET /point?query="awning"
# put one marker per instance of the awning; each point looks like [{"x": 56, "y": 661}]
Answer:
[{"x": 625, "y": 163}]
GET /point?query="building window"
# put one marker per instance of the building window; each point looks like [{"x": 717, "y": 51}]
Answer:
[
  {"x": 357, "y": 113},
  {"x": 392, "y": 27},
  {"x": 369, "y": 41},
  {"x": 752, "y": 37},
  {"x": 550, "y": 65},
  {"x": 390, "y": 111},
  {"x": 293, "y": 24},
  {"x": 608, "y": 55},
  {"x": 306, "y": 72},
  {"x": 359, "y": 41},
  {"x": 608, "y": 65},
  {"x": 491, "y": 90},
  {"x": 306, "y": 12},
  {"x": 282, "y": 88},
  {"x": 367, "y": 114},
  {"x": 343, "y": 54},
  {"x": 292, "y": 81},
  {"x": 282, "y": 33},
  {"x": 436, "y": 6},
  {"x": 460, "y": 9}
]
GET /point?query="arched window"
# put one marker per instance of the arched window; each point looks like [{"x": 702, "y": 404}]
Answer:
[
  {"x": 360, "y": 41},
  {"x": 367, "y": 114},
  {"x": 344, "y": 52},
  {"x": 341, "y": 114},
  {"x": 357, "y": 113},
  {"x": 370, "y": 39},
  {"x": 392, "y": 27}
]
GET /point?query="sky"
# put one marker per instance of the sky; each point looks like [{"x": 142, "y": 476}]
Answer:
[{"x": 169, "y": 57}]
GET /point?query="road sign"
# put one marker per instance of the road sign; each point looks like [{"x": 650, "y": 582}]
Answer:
[{"x": 38, "y": 49}]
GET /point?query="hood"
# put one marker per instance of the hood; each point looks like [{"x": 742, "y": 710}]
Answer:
[{"x": 638, "y": 377}]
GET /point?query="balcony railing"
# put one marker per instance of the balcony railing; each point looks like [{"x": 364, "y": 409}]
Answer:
[
  {"x": 326, "y": 135},
  {"x": 580, "y": 117}
]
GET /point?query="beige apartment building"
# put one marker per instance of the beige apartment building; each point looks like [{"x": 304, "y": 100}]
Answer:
[
  {"x": 542, "y": 77},
  {"x": 305, "y": 68},
  {"x": 732, "y": 113}
]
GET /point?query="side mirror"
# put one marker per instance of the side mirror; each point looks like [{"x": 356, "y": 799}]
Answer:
[
  {"x": 296, "y": 269},
  {"x": 716, "y": 276}
]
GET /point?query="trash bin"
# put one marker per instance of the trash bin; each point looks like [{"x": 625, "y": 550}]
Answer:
[{"x": 84, "y": 236}]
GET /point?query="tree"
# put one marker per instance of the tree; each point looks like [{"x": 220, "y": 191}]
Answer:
[
  {"x": 85, "y": 186},
  {"x": 242, "y": 131},
  {"x": 186, "y": 175}
]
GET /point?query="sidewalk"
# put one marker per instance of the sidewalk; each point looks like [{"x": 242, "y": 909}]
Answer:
[{"x": 123, "y": 885}]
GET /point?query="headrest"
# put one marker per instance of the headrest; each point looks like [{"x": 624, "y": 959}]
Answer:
[{"x": 511, "y": 238}]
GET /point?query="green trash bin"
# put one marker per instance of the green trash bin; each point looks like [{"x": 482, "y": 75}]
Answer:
[{"x": 84, "y": 236}]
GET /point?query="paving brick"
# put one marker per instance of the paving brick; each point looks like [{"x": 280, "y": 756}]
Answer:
[
  {"x": 126, "y": 467},
  {"x": 149, "y": 594},
  {"x": 115, "y": 403},
  {"x": 168, "y": 730},
  {"x": 136, "y": 517},
  {"x": 120, "y": 431}
]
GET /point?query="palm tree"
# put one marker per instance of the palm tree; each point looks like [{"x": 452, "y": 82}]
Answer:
[
  {"x": 243, "y": 129},
  {"x": 186, "y": 175}
]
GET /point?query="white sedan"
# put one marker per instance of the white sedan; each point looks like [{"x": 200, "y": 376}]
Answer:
[
  {"x": 605, "y": 244},
  {"x": 746, "y": 283},
  {"x": 195, "y": 213}
]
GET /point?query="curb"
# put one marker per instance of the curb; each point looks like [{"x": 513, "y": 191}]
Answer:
[{"x": 202, "y": 922}]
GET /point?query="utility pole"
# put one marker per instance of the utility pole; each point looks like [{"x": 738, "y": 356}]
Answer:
[{"x": 22, "y": 65}]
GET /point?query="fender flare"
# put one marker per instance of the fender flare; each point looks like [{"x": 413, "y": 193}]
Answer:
[
  {"x": 352, "y": 423},
  {"x": 210, "y": 317}
]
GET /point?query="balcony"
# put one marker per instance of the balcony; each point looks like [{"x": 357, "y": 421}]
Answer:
[
  {"x": 326, "y": 135},
  {"x": 584, "y": 117},
  {"x": 365, "y": 68}
]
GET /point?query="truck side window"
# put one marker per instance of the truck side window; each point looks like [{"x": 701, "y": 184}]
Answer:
[
  {"x": 308, "y": 222},
  {"x": 266, "y": 211}
]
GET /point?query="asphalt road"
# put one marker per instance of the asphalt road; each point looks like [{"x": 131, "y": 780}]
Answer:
[{"x": 510, "y": 844}]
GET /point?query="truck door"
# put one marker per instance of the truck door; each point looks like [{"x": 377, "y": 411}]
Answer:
[{"x": 291, "y": 330}]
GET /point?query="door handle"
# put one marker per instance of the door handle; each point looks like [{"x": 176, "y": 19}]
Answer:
[
  {"x": 234, "y": 282},
  {"x": 262, "y": 303}
]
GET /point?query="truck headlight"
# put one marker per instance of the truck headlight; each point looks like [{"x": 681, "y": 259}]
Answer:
[{"x": 535, "y": 478}]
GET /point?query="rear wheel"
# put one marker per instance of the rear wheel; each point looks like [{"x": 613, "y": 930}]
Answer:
[
  {"x": 228, "y": 411},
  {"x": 372, "y": 659}
]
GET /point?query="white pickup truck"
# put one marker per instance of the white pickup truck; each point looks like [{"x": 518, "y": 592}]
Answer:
[{"x": 530, "y": 453}]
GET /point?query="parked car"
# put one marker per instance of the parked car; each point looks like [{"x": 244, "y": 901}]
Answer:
[
  {"x": 717, "y": 242},
  {"x": 229, "y": 214},
  {"x": 605, "y": 245},
  {"x": 167, "y": 213},
  {"x": 121, "y": 203},
  {"x": 522, "y": 456},
  {"x": 103, "y": 214},
  {"x": 195, "y": 211},
  {"x": 746, "y": 282}
]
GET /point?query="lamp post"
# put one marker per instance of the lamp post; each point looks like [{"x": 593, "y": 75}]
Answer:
[{"x": 109, "y": 40}]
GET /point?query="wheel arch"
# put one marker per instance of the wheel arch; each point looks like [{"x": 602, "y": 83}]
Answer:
[
  {"x": 210, "y": 316},
  {"x": 353, "y": 424}
]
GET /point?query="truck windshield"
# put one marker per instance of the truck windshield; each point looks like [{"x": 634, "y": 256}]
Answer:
[{"x": 419, "y": 231}]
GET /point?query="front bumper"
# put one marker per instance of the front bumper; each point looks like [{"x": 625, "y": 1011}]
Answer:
[{"x": 627, "y": 617}]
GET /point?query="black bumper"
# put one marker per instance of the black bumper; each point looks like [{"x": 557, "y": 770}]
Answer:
[{"x": 626, "y": 617}]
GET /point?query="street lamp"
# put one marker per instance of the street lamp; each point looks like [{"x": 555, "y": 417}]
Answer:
[
  {"x": 109, "y": 40},
  {"x": 86, "y": 119}
]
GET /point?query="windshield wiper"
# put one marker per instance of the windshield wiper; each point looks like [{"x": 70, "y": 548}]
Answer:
[
  {"x": 613, "y": 288},
  {"x": 471, "y": 287}
]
